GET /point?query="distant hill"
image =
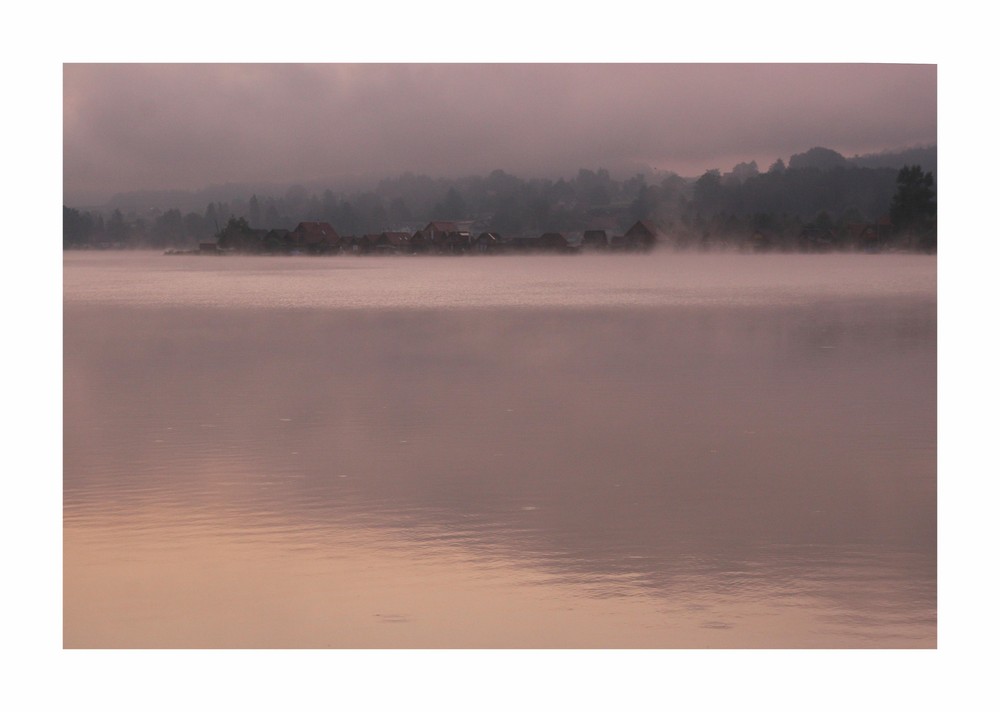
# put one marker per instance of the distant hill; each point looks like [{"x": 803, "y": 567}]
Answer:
[
  {"x": 190, "y": 200},
  {"x": 925, "y": 157},
  {"x": 196, "y": 200},
  {"x": 825, "y": 159},
  {"x": 237, "y": 194},
  {"x": 822, "y": 158}
]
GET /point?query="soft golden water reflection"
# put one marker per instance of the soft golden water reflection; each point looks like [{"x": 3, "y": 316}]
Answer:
[
  {"x": 170, "y": 585},
  {"x": 671, "y": 476}
]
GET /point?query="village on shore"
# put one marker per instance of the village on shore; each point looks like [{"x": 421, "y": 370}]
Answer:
[
  {"x": 437, "y": 237},
  {"x": 442, "y": 237}
]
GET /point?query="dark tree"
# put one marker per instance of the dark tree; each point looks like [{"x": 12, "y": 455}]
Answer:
[
  {"x": 295, "y": 198},
  {"x": 77, "y": 227},
  {"x": 117, "y": 230},
  {"x": 168, "y": 229},
  {"x": 329, "y": 211},
  {"x": 454, "y": 206},
  {"x": 399, "y": 213},
  {"x": 914, "y": 207},
  {"x": 708, "y": 191},
  {"x": 645, "y": 204},
  {"x": 236, "y": 235},
  {"x": 741, "y": 172},
  {"x": 197, "y": 227},
  {"x": 271, "y": 217},
  {"x": 823, "y": 220},
  {"x": 254, "y": 211},
  {"x": 212, "y": 217},
  {"x": 348, "y": 221}
]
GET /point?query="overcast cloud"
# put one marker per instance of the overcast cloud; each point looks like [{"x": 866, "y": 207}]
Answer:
[{"x": 129, "y": 127}]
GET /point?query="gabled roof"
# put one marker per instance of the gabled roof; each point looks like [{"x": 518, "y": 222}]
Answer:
[
  {"x": 643, "y": 226},
  {"x": 312, "y": 232},
  {"x": 441, "y": 226},
  {"x": 553, "y": 238}
]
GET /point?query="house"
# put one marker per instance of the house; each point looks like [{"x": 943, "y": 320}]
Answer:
[
  {"x": 871, "y": 237},
  {"x": 314, "y": 238},
  {"x": 237, "y": 236},
  {"x": 366, "y": 244},
  {"x": 275, "y": 240},
  {"x": 437, "y": 230},
  {"x": 448, "y": 236},
  {"x": 419, "y": 243},
  {"x": 393, "y": 243},
  {"x": 553, "y": 242},
  {"x": 348, "y": 244},
  {"x": 641, "y": 236},
  {"x": 454, "y": 243},
  {"x": 488, "y": 243},
  {"x": 209, "y": 247}
]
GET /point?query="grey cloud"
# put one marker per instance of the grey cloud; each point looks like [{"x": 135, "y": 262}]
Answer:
[{"x": 187, "y": 126}]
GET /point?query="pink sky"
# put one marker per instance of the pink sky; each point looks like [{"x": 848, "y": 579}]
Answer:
[{"x": 136, "y": 127}]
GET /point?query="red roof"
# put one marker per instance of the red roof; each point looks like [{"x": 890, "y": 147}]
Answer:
[
  {"x": 441, "y": 226},
  {"x": 313, "y": 232}
]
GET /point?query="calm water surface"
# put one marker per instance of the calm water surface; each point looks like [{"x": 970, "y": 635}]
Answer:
[{"x": 620, "y": 451}]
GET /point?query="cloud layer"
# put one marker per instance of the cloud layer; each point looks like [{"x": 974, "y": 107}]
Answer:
[{"x": 129, "y": 126}]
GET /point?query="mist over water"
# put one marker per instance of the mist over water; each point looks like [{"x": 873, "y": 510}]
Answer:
[{"x": 649, "y": 451}]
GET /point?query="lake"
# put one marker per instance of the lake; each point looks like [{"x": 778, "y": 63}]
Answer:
[{"x": 619, "y": 451}]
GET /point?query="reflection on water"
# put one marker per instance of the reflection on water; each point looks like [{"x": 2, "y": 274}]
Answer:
[{"x": 573, "y": 469}]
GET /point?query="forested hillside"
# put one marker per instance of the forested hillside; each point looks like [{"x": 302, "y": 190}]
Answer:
[{"x": 818, "y": 188}]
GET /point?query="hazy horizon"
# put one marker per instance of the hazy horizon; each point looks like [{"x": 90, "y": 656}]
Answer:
[{"x": 129, "y": 127}]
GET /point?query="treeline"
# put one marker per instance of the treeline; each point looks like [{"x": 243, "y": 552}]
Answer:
[{"x": 818, "y": 189}]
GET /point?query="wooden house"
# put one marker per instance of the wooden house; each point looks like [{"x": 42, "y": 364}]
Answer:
[
  {"x": 454, "y": 243},
  {"x": 276, "y": 240},
  {"x": 436, "y": 231},
  {"x": 348, "y": 244},
  {"x": 553, "y": 242},
  {"x": 419, "y": 243},
  {"x": 313, "y": 238},
  {"x": 488, "y": 243},
  {"x": 641, "y": 236},
  {"x": 393, "y": 243},
  {"x": 366, "y": 244},
  {"x": 870, "y": 237},
  {"x": 448, "y": 236}
]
